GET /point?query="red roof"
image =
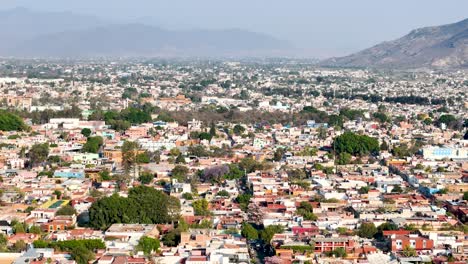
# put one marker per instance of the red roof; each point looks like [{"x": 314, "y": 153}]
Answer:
[
  {"x": 396, "y": 232},
  {"x": 301, "y": 230},
  {"x": 276, "y": 206},
  {"x": 197, "y": 258}
]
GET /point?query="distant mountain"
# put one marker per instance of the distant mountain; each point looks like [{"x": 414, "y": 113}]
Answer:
[
  {"x": 36, "y": 34},
  {"x": 25, "y": 23},
  {"x": 432, "y": 47}
]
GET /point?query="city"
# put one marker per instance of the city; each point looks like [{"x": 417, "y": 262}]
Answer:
[{"x": 146, "y": 159}]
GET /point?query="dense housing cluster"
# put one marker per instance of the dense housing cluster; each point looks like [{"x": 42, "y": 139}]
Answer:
[{"x": 272, "y": 161}]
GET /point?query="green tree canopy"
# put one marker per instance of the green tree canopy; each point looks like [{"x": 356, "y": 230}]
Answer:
[
  {"x": 354, "y": 144},
  {"x": 180, "y": 173},
  {"x": 129, "y": 155},
  {"x": 200, "y": 207},
  {"x": 86, "y": 132},
  {"x": 38, "y": 153},
  {"x": 143, "y": 205},
  {"x": 267, "y": 234},
  {"x": 148, "y": 245},
  {"x": 93, "y": 144},
  {"x": 11, "y": 122},
  {"x": 249, "y": 232},
  {"x": 82, "y": 255},
  {"x": 238, "y": 129},
  {"x": 305, "y": 210},
  {"x": 367, "y": 230},
  {"x": 66, "y": 210},
  {"x": 146, "y": 177}
]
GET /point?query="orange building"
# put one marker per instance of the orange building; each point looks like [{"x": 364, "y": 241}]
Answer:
[
  {"x": 327, "y": 244},
  {"x": 113, "y": 155},
  {"x": 399, "y": 242}
]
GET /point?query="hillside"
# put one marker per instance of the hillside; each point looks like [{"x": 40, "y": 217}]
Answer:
[{"x": 440, "y": 47}]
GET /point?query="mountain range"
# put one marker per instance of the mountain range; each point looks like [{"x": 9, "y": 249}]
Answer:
[
  {"x": 443, "y": 46},
  {"x": 29, "y": 33}
]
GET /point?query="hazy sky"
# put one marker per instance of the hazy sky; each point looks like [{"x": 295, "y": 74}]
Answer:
[{"x": 322, "y": 28}]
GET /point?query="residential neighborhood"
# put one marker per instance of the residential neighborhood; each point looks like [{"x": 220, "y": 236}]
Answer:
[{"x": 219, "y": 162}]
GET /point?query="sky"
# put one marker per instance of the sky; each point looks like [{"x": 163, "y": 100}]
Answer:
[{"x": 318, "y": 28}]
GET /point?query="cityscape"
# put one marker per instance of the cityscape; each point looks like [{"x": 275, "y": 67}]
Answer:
[{"x": 112, "y": 158}]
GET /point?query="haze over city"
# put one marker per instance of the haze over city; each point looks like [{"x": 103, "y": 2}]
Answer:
[
  {"x": 317, "y": 29},
  {"x": 233, "y": 132}
]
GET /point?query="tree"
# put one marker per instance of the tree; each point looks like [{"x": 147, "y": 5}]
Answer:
[
  {"x": 238, "y": 129},
  {"x": 142, "y": 158},
  {"x": 129, "y": 156},
  {"x": 200, "y": 207},
  {"x": 38, "y": 154},
  {"x": 180, "y": 172},
  {"x": 198, "y": 151},
  {"x": 146, "y": 177},
  {"x": 212, "y": 129},
  {"x": 443, "y": 191},
  {"x": 93, "y": 144},
  {"x": 273, "y": 260},
  {"x": 180, "y": 159},
  {"x": 385, "y": 226},
  {"x": 187, "y": 196},
  {"x": 384, "y": 145},
  {"x": 342, "y": 230},
  {"x": 340, "y": 252},
  {"x": 148, "y": 245},
  {"x": 367, "y": 230},
  {"x": 427, "y": 121},
  {"x": 3, "y": 242},
  {"x": 250, "y": 165},
  {"x": 381, "y": 117},
  {"x": 104, "y": 175},
  {"x": 223, "y": 193},
  {"x": 409, "y": 251},
  {"x": 172, "y": 238},
  {"x": 19, "y": 228},
  {"x": 355, "y": 144},
  {"x": 397, "y": 189},
  {"x": 249, "y": 232},
  {"x": 35, "y": 230},
  {"x": 173, "y": 208},
  {"x": 305, "y": 210},
  {"x": 449, "y": 120},
  {"x": 19, "y": 246},
  {"x": 234, "y": 172},
  {"x": 267, "y": 234},
  {"x": 419, "y": 166},
  {"x": 410, "y": 227},
  {"x": 322, "y": 132},
  {"x": 255, "y": 214},
  {"x": 66, "y": 210},
  {"x": 278, "y": 155},
  {"x": 11, "y": 122},
  {"x": 243, "y": 199},
  {"x": 363, "y": 190},
  {"x": 344, "y": 158},
  {"x": 143, "y": 205},
  {"x": 86, "y": 132},
  {"x": 215, "y": 173},
  {"x": 205, "y": 136},
  {"x": 57, "y": 194},
  {"x": 82, "y": 255}
]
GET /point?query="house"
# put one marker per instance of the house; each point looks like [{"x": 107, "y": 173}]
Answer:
[
  {"x": 327, "y": 244},
  {"x": 399, "y": 242}
]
